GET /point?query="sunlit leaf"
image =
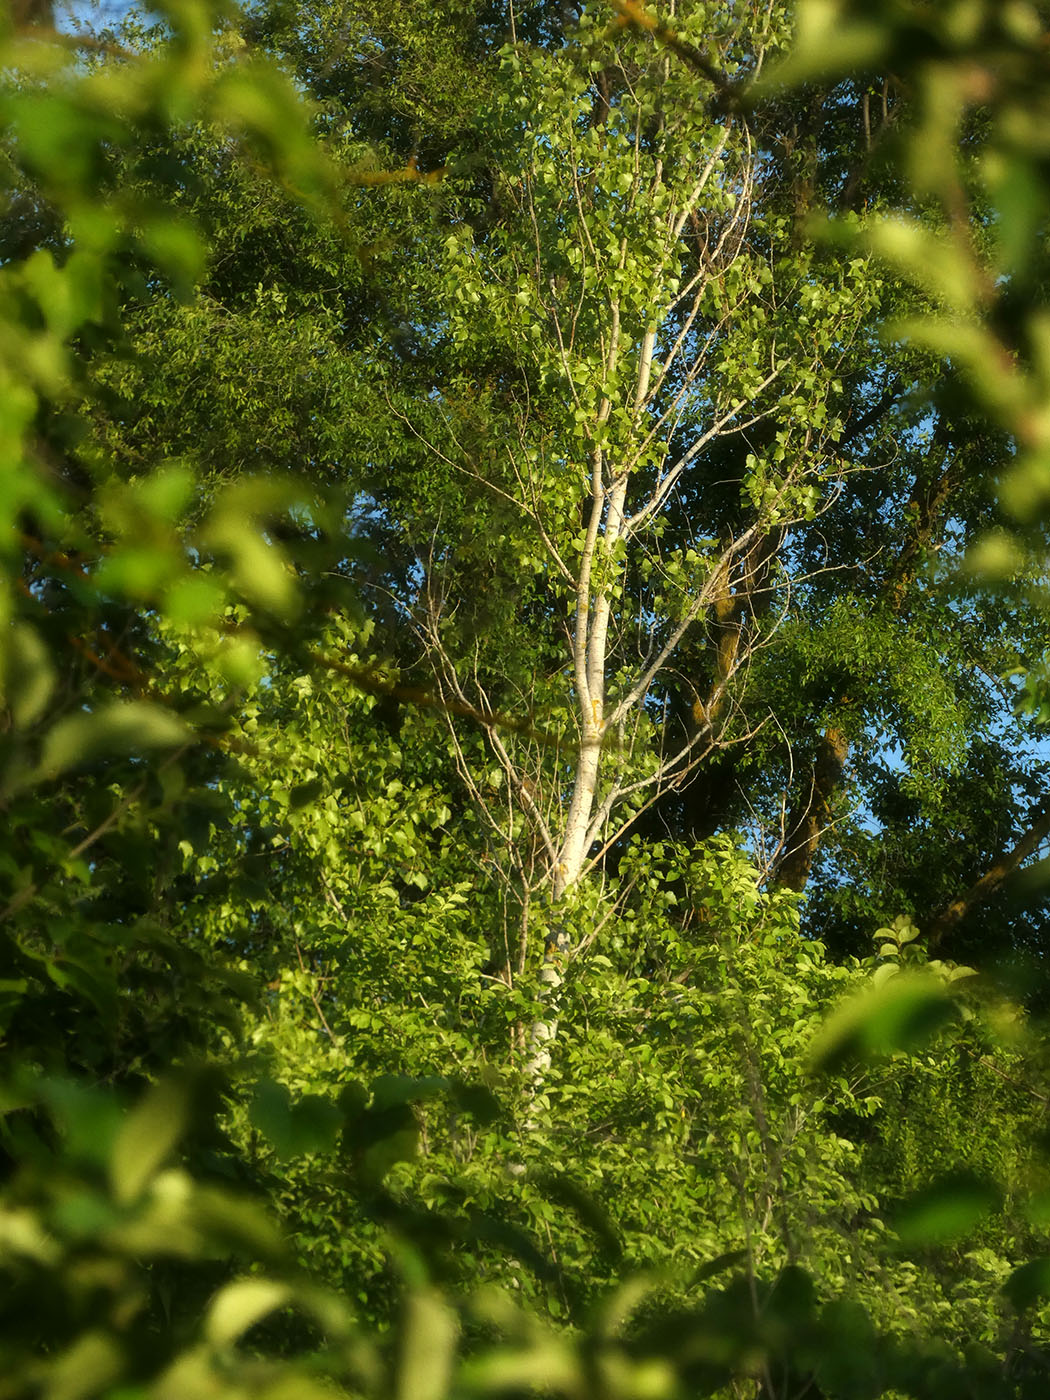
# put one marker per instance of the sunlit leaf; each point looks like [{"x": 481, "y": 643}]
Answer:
[
  {"x": 239, "y": 1306},
  {"x": 28, "y": 674},
  {"x": 90, "y": 1367},
  {"x": 428, "y": 1340},
  {"x": 830, "y": 41},
  {"x": 900, "y": 1015},
  {"x": 148, "y": 1138}
]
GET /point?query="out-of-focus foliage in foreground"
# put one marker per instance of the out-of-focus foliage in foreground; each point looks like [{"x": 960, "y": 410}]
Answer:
[{"x": 720, "y": 1181}]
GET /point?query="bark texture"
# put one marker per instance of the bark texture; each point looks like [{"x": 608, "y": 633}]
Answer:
[{"x": 812, "y": 815}]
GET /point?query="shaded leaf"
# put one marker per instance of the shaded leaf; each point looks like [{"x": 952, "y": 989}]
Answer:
[
  {"x": 29, "y": 676},
  {"x": 719, "y": 1264},
  {"x": 293, "y": 1129},
  {"x": 948, "y": 1209},
  {"x": 112, "y": 731},
  {"x": 559, "y": 1186},
  {"x": 1029, "y": 1283}
]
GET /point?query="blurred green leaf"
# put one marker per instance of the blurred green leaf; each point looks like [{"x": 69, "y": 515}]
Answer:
[
  {"x": 900, "y": 1015},
  {"x": 194, "y": 600},
  {"x": 311, "y": 1124},
  {"x": 948, "y": 1209},
  {"x": 303, "y": 794},
  {"x": 114, "y": 730},
  {"x": 240, "y": 1305},
  {"x": 592, "y": 1215},
  {"x": 165, "y": 493},
  {"x": 258, "y": 568},
  {"x": 28, "y": 674},
  {"x": 728, "y": 1260},
  {"x": 23, "y": 1234},
  {"x": 138, "y": 572},
  {"x": 89, "y": 1368},
  {"x": 1028, "y": 1284},
  {"x": 828, "y": 41},
  {"x": 848, "y": 1361},
  {"x": 996, "y": 557},
  {"x": 428, "y": 1342},
  {"x": 178, "y": 250},
  {"x": 148, "y": 1138},
  {"x": 235, "y": 531},
  {"x": 1017, "y": 188},
  {"x": 928, "y": 259},
  {"x": 90, "y": 1120},
  {"x": 395, "y": 1090}
]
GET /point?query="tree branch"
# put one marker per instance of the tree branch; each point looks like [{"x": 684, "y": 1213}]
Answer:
[{"x": 950, "y": 917}]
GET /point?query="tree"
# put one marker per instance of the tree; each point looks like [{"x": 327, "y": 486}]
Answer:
[
  {"x": 860, "y": 670},
  {"x": 637, "y": 318},
  {"x": 697, "y": 522}
]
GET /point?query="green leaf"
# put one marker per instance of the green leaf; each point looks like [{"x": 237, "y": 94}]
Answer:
[
  {"x": 592, "y": 1215},
  {"x": 394, "y": 1090},
  {"x": 259, "y": 569},
  {"x": 194, "y": 600},
  {"x": 1029, "y": 1283},
  {"x": 239, "y": 1306},
  {"x": 293, "y": 1130},
  {"x": 90, "y": 1367},
  {"x": 304, "y": 793},
  {"x": 728, "y": 1260},
  {"x": 90, "y": 1120},
  {"x": 148, "y": 1138},
  {"x": 899, "y": 1015},
  {"x": 948, "y": 1209},
  {"x": 29, "y": 676},
  {"x": 828, "y": 42},
  {"x": 477, "y": 1100},
  {"x": 115, "y": 730},
  {"x": 428, "y": 1343},
  {"x": 927, "y": 259},
  {"x": 178, "y": 250},
  {"x": 165, "y": 493}
]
